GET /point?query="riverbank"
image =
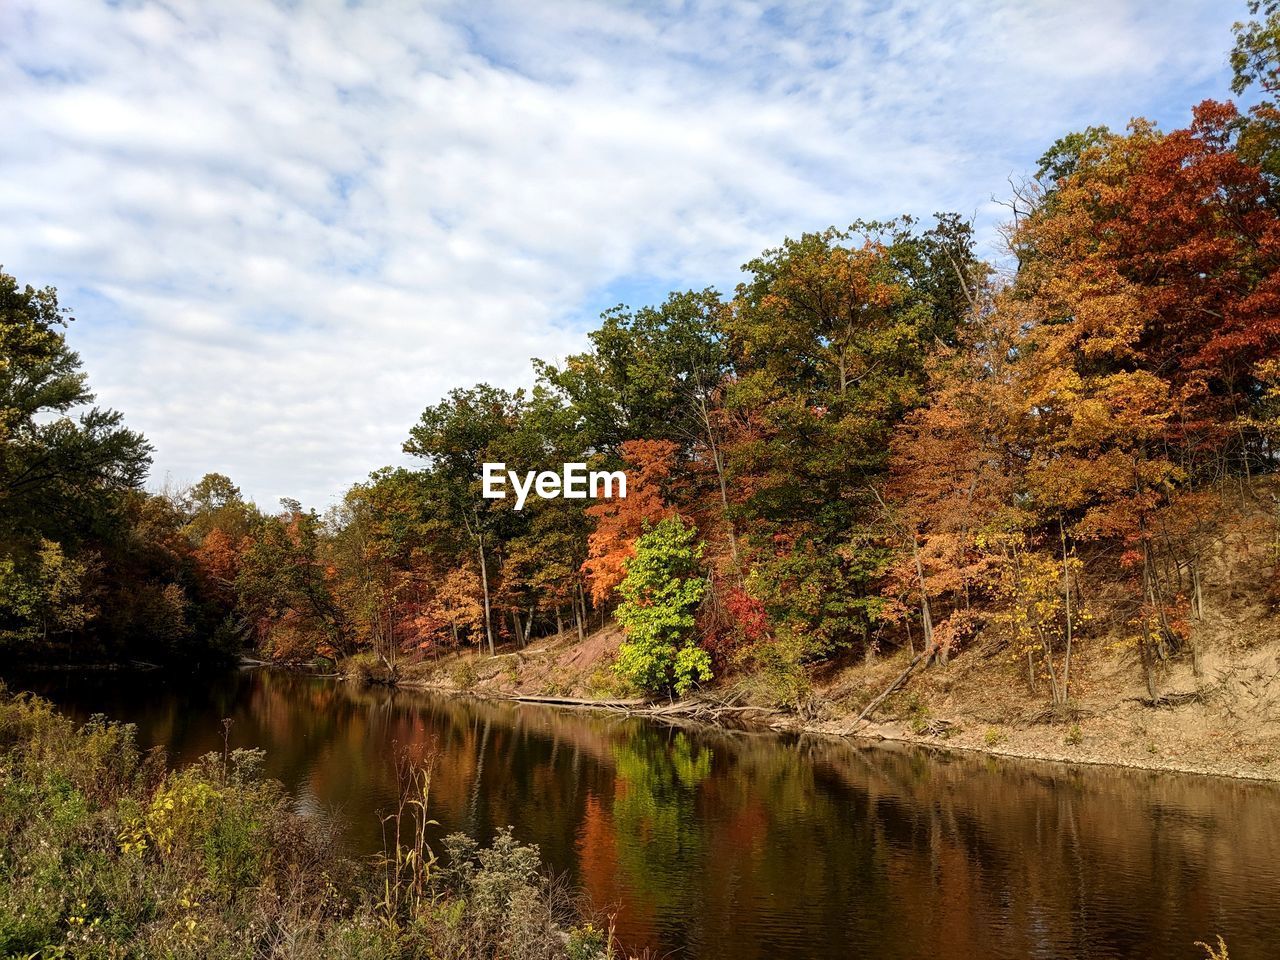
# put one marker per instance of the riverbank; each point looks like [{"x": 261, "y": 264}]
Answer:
[
  {"x": 1225, "y": 721},
  {"x": 109, "y": 853}
]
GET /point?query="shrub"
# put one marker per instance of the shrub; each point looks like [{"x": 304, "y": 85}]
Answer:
[
  {"x": 464, "y": 674},
  {"x": 775, "y": 670},
  {"x": 660, "y": 593},
  {"x": 509, "y": 904},
  {"x": 918, "y": 714},
  {"x": 369, "y": 669},
  {"x": 587, "y": 943}
]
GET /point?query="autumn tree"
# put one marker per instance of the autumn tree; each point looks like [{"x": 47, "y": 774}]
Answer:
[
  {"x": 1147, "y": 299},
  {"x": 1255, "y": 63},
  {"x": 91, "y": 567},
  {"x": 456, "y": 605},
  {"x": 954, "y": 471},
  {"x": 63, "y": 464},
  {"x": 543, "y": 567},
  {"x": 544, "y": 545},
  {"x": 663, "y": 369},
  {"x": 620, "y": 522},
  {"x": 829, "y": 337},
  {"x": 456, "y": 437},
  {"x": 46, "y": 599},
  {"x": 371, "y": 575},
  {"x": 219, "y": 525},
  {"x": 1038, "y": 613},
  {"x": 285, "y": 588}
]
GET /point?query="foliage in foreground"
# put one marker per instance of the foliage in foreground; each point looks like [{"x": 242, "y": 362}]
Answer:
[{"x": 108, "y": 854}]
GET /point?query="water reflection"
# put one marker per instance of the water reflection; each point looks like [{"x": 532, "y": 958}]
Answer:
[{"x": 718, "y": 845}]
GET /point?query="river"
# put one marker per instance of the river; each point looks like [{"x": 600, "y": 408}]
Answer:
[{"x": 712, "y": 844}]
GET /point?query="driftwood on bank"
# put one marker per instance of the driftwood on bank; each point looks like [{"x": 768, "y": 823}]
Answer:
[
  {"x": 1174, "y": 698},
  {"x": 706, "y": 710},
  {"x": 696, "y": 709},
  {"x": 574, "y": 702}
]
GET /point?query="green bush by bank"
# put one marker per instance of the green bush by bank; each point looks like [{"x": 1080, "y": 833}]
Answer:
[{"x": 663, "y": 586}]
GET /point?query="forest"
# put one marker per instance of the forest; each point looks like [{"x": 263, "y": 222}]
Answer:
[{"x": 877, "y": 442}]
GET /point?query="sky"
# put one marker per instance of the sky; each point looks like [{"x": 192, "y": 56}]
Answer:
[{"x": 286, "y": 228}]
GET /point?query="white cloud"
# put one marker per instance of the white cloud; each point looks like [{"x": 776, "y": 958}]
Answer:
[{"x": 288, "y": 227}]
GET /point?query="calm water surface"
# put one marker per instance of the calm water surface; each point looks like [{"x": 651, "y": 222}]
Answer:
[{"x": 721, "y": 845}]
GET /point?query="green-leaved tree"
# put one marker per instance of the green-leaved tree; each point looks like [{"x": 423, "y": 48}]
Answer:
[{"x": 660, "y": 596}]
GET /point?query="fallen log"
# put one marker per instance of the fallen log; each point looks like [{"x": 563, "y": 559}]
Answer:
[
  {"x": 1174, "y": 698},
  {"x": 937, "y": 727},
  {"x": 574, "y": 702},
  {"x": 705, "y": 711},
  {"x": 918, "y": 659}
]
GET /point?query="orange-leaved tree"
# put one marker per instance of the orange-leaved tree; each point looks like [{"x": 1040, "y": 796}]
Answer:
[{"x": 621, "y": 521}]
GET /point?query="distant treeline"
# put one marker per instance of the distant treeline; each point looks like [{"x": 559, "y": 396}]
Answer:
[{"x": 877, "y": 440}]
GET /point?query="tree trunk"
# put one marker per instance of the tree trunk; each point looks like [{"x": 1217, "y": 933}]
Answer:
[
  {"x": 724, "y": 489},
  {"x": 1012, "y": 553},
  {"x": 724, "y": 505},
  {"x": 1147, "y": 666},
  {"x": 1047, "y": 646},
  {"x": 1155, "y": 595},
  {"x": 926, "y": 619},
  {"x": 1197, "y": 595},
  {"x": 488, "y": 611},
  {"x": 1197, "y": 613},
  {"x": 1066, "y": 594}
]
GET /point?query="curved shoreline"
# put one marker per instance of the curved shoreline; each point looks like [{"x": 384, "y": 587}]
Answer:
[{"x": 871, "y": 734}]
